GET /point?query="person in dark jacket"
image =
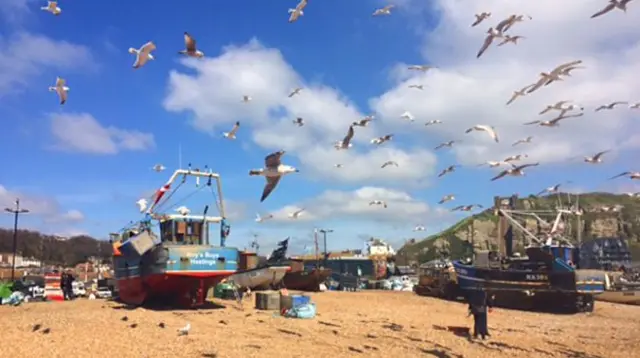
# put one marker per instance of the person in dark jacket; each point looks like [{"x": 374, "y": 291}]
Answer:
[
  {"x": 480, "y": 303},
  {"x": 63, "y": 284},
  {"x": 69, "y": 285}
]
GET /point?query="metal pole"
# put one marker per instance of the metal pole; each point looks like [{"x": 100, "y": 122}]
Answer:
[
  {"x": 324, "y": 235},
  {"x": 16, "y": 212}
]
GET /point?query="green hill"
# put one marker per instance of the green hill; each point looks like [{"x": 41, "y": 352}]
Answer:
[{"x": 600, "y": 219}]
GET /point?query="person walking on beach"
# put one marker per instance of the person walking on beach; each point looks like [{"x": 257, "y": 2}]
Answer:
[
  {"x": 63, "y": 284},
  {"x": 479, "y": 304}
]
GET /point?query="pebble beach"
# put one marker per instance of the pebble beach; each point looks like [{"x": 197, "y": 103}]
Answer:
[{"x": 348, "y": 324}]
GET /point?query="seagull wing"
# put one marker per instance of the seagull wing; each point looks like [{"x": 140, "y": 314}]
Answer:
[
  {"x": 189, "y": 42},
  {"x": 148, "y": 48},
  {"x": 502, "y": 174},
  {"x": 513, "y": 97},
  {"x": 60, "y": 82},
  {"x": 606, "y": 9},
  {"x": 530, "y": 123},
  {"x": 537, "y": 85},
  {"x": 487, "y": 42},
  {"x": 620, "y": 175},
  {"x": 273, "y": 160},
  {"x": 491, "y": 131},
  {"x": 271, "y": 184},
  {"x": 501, "y": 26},
  {"x": 599, "y": 154},
  {"x": 63, "y": 95},
  {"x": 565, "y": 65},
  {"x": 348, "y": 137},
  {"x": 520, "y": 167},
  {"x": 235, "y": 128},
  {"x": 301, "y": 5},
  {"x": 457, "y": 208}
]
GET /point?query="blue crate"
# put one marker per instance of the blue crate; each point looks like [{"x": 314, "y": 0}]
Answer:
[{"x": 298, "y": 300}]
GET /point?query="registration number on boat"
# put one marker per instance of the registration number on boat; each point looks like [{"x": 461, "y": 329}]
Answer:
[{"x": 536, "y": 277}]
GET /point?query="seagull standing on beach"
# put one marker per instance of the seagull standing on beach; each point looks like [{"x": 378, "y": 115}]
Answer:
[
  {"x": 232, "y": 133},
  {"x": 520, "y": 93},
  {"x": 610, "y": 106},
  {"x": 379, "y": 203},
  {"x": 446, "y": 198},
  {"x": 481, "y": 127},
  {"x": 52, "y": 7},
  {"x": 515, "y": 171},
  {"x": 143, "y": 54},
  {"x": 190, "y": 47},
  {"x": 522, "y": 141},
  {"x": 613, "y": 4},
  {"x": 297, "y": 12},
  {"x": 631, "y": 175},
  {"x": 295, "y": 92},
  {"x": 449, "y": 169},
  {"x": 346, "y": 142},
  {"x": 61, "y": 89},
  {"x": 480, "y": 17},
  {"x": 384, "y": 11},
  {"x": 596, "y": 159},
  {"x": 380, "y": 140},
  {"x": 386, "y": 164},
  {"x": 492, "y": 34},
  {"x": 296, "y": 214},
  {"x": 184, "y": 330},
  {"x": 273, "y": 171}
]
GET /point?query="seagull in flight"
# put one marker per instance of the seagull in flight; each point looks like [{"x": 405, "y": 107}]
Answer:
[
  {"x": 419, "y": 228},
  {"x": 61, "y": 89},
  {"x": 299, "y": 122},
  {"x": 190, "y": 45},
  {"x": 634, "y": 106},
  {"x": 408, "y": 116},
  {"x": 596, "y": 159},
  {"x": 232, "y": 133},
  {"x": 143, "y": 204},
  {"x": 420, "y": 87},
  {"x": 506, "y": 24},
  {"x": 422, "y": 68},
  {"x": 273, "y": 171},
  {"x": 554, "y": 122},
  {"x": 295, "y": 92},
  {"x": 492, "y": 164},
  {"x": 346, "y": 142},
  {"x": 52, "y": 7},
  {"x": 481, "y": 127},
  {"x": 510, "y": 39},
  {"x": 379, "y": 203},
  {"x": 143, "y": 54},
  {"x": 492, "y": 34},
  {"x": 297, "y": 12},
  {"x": 446, "y": 198},
  {"x": 515, "y": 171},
  {"x": 158, "y": 168},
  {"x": 296, "y": 214},
  {"x": 467, "y": 207},
  {"x": 480, "y": 17},
  {"x": 364, "y": 121},
  {"x": 338, "y": 166},
  {"x": 246, "y": 99},
  {"x": 613, "y": 4},
  {"x": 522, "y": 141},
  {"x": 261, "y": 219},
  {"x": 183, "y": 210},
  {"x": 384, "y": 11},
  {"x": 554, "y": 75},
  {"x": 520, "y": 93},
  {"x": 610, "y": 106},
  {"x": 512, "y": 158},
  {"x": 449, "y": 169},
  {"x": 445, "y": 144},
  {"x": 550, "y": 190},
  {"x": 391, "y": 162},
  {"x": 555, "y": 106},
  {"x": 432, "y": 122},
  {"x": 631, "y": 175},
  {"x": 382, "y": 139}
]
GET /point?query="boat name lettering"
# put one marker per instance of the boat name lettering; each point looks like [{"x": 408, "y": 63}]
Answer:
[
  {"x": 536, "y": 277},
  {"x": 203, "y": 258}
]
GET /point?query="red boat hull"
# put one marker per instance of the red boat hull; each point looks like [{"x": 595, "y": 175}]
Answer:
[{"x": 171, "y": 288}]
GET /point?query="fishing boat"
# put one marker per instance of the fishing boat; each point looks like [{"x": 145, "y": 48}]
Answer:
[
  {"x": 619, "y": 290},
  {"x": 174, "y": 261},
  {"x": 258, "y": 276},
  {"x": 298, "y": 277},
  {"x": 545, "y": 278}
]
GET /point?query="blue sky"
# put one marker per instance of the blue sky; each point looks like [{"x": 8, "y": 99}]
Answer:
[{"x": 94, "y": 154}]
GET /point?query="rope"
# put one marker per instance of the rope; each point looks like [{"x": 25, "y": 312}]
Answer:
[{"x": 215, "y": 197}]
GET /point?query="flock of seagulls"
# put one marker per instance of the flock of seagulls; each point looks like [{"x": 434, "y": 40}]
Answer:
[{"x": 274, "y": 169}]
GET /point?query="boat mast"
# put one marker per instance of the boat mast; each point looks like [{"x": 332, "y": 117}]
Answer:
[
  {"x": 578, "y": 221},
  {"x": 315, "y": 241}
]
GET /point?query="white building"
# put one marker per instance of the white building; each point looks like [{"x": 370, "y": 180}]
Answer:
[
  {"x": 6, "y": 259},
  {"x": 377, "y": 247}
]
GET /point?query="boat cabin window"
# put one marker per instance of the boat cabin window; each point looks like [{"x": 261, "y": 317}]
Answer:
[{"x": 182, "y": 232}]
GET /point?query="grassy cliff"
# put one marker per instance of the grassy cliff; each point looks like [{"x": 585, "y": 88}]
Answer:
[{"x": 600, "y": 219}]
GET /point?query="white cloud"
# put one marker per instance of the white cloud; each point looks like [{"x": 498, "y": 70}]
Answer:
[
  {"x": 349, "y": 205},
  {"x": 24, "y": 56},
  {"x": 465, "y": 91},
  {"x": 42, "y": 206},
  {"x": 70, "y": 216},
  {"x": 214, "y": 96},
  {"x": 83, "y": 133}
]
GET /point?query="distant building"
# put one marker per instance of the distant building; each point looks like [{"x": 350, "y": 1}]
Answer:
[
  {"x": 604, "y": 254},
  {"x": 377, "y": 247},
  {"x": 6, "y": 260}
]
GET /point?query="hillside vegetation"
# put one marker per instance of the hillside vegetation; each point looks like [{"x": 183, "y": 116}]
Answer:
[{"x": 600, "y": 219}]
